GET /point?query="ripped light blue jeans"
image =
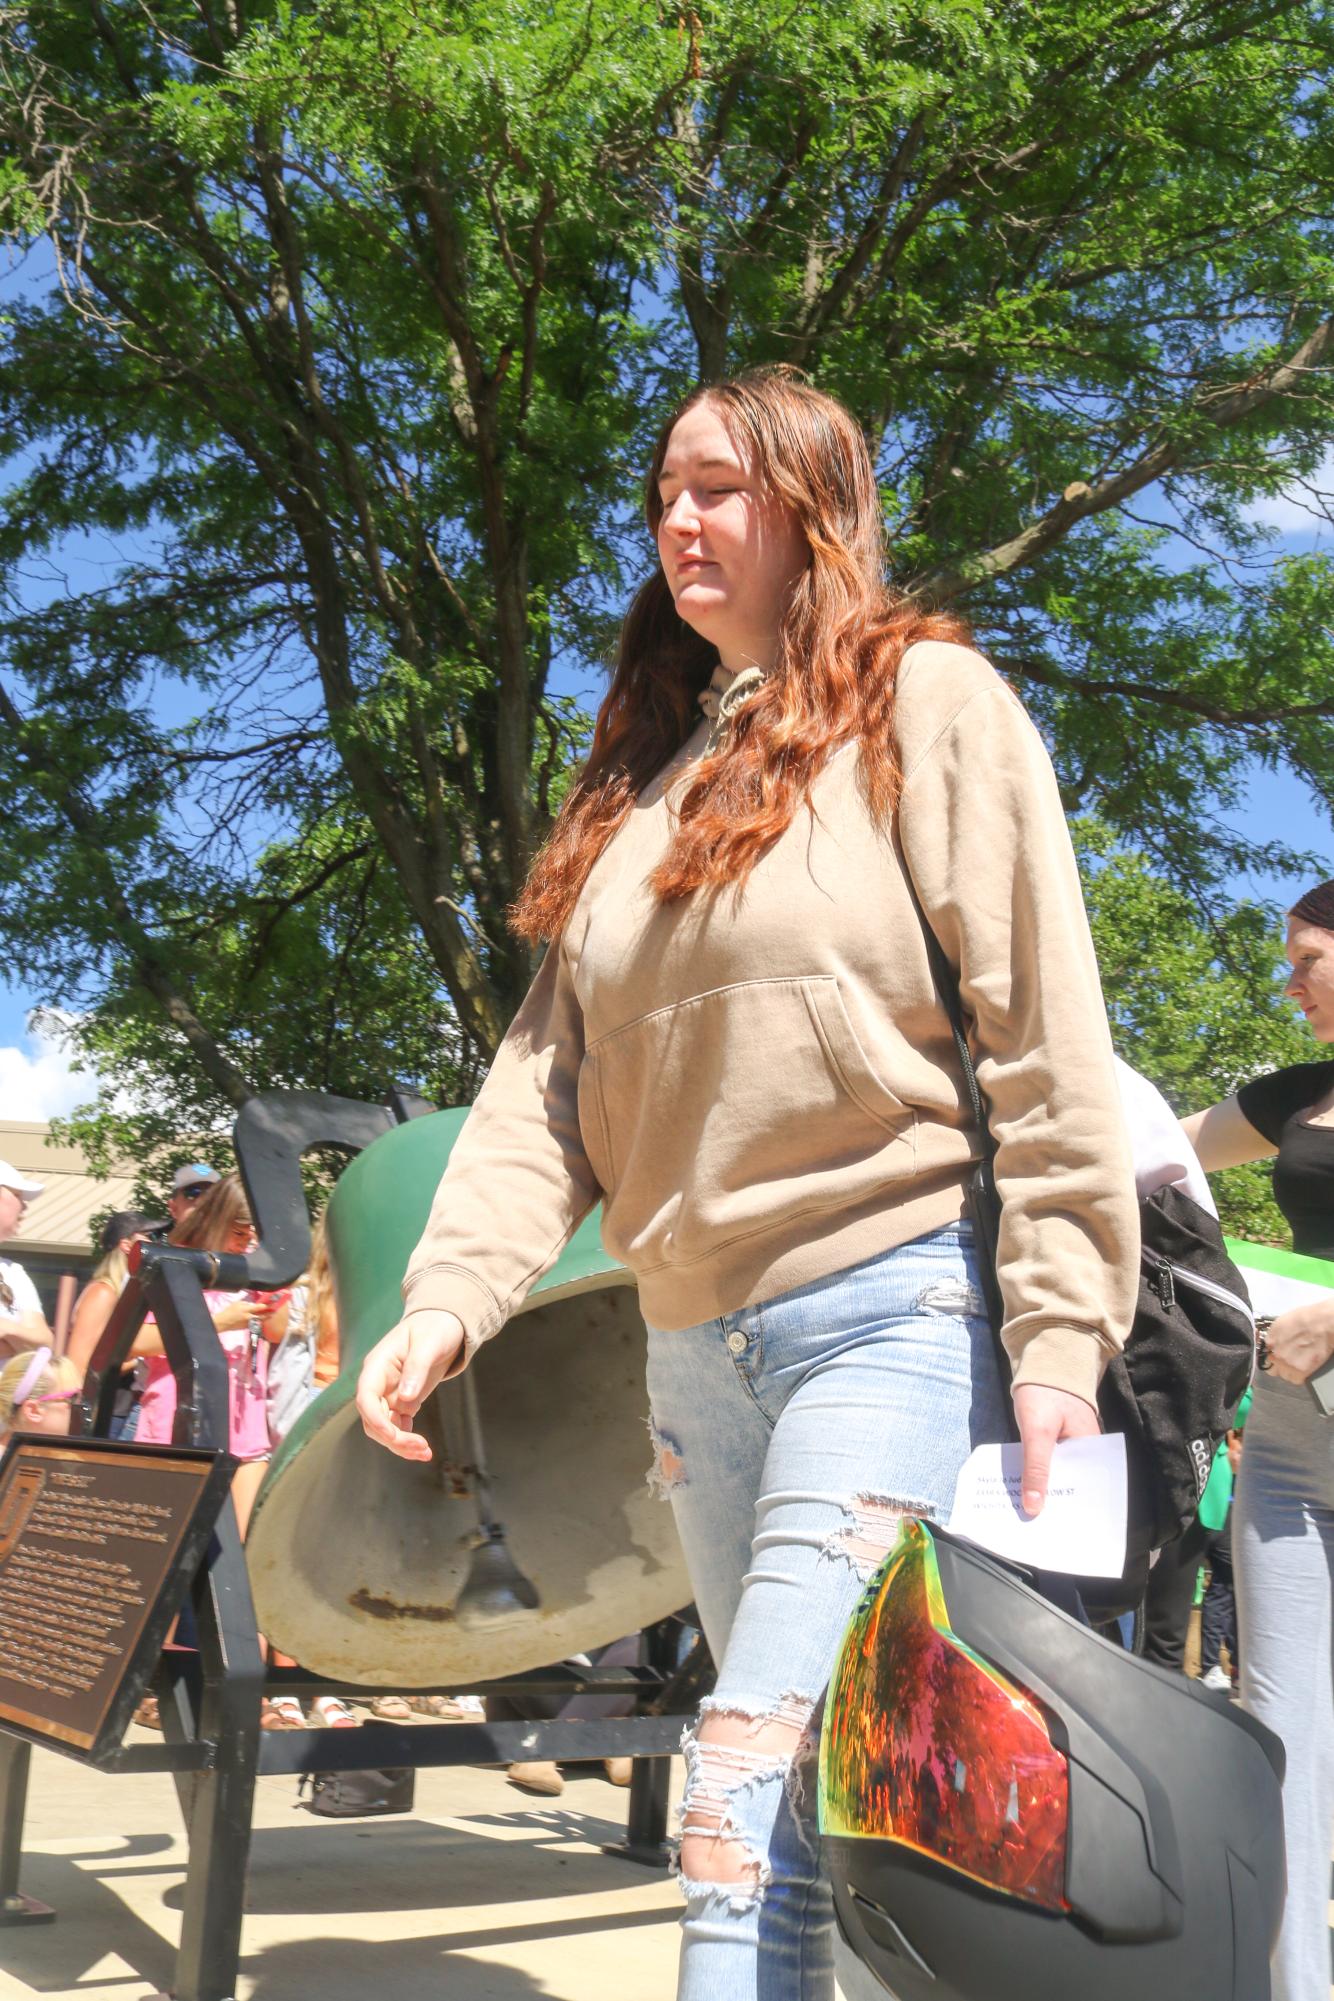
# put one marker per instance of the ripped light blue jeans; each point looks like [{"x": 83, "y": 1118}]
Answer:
[{"x": 789, "y": 1439}]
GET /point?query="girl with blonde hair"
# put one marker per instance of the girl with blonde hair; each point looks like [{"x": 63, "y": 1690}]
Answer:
[
  {"x": 93, "y": 1309},
  {"x": 247, "y": 1326},
  {"x": 37, "y": 1392},
  {"x": 306, "y": 1359}
]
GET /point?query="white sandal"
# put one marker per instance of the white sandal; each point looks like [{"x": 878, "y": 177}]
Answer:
[
  {"x": 333, "y": 1713},
  {"x": 281, "y": 1712}
]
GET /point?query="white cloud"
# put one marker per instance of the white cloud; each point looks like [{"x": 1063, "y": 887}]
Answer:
[
  {"x": 1303, "y": 508},
  {"x": 37, "y": 1081}
]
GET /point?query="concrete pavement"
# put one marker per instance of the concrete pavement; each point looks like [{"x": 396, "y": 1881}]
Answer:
[{"x": 480, "y": 1894}]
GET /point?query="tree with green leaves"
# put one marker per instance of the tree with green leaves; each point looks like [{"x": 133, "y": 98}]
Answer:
[
  {"x": 348, "y": 326},
  {"x": 1198, "y": 1007}
]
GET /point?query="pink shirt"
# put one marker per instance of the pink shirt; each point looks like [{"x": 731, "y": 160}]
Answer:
[{"x": 248, "y": 1428}]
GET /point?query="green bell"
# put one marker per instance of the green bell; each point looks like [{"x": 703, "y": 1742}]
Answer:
[{"x": 357, "y": 1559}]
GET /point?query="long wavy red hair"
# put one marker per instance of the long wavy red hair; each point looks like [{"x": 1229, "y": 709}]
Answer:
[{"x": 843, "y": 633}]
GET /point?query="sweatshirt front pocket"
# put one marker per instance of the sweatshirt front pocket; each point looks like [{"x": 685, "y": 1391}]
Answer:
[{"x": 730, "y": 1114}]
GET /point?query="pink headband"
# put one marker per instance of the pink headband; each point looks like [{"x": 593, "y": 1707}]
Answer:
[{"x": 31, "y": 1376}]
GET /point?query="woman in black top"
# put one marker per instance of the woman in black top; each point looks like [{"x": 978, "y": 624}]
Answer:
[{"x": 1283, "y": 1533}]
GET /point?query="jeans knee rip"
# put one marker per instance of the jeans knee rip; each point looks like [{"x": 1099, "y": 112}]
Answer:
[
  {"x": 718, "y": 1775},
  {"x": 866, "y": 1539},
  {"x": 731, "y": 1896},
  {"x": 791, "y": 1708},
  {"x": 668, "y": 1471}
]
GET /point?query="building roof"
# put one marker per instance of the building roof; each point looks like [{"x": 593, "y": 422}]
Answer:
[{"x": 58, "y": 1222}]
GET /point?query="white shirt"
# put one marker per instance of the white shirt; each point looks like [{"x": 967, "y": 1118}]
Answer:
[
  {"x": 23, "y": 1289},
  {"x": 25, "y": 1302},
  {"x": 1163, "y": 1154}
]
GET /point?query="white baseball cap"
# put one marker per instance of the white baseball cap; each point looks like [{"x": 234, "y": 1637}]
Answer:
[
  {"x": 191, "y": 1175},
  {"x": 11, "y": 1178}
]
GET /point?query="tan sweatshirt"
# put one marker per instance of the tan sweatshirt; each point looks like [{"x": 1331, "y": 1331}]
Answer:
[{"x": 761, "y": 1086}]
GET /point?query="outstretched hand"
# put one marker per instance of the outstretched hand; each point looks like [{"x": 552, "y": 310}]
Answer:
[
  {"x": 1045, "y": 1417},
  {"x": 399, "y": 1374},
  {"x": 1301, "y": 1341}
]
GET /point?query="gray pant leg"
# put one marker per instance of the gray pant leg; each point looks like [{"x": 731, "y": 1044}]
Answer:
[{"x": 1283, "y": 1547}]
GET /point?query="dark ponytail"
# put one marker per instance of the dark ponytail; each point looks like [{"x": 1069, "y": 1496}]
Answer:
[{"x": 1316, "y": 906}]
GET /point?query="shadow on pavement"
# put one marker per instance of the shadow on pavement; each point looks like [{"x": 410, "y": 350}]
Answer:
[
  {"x": 406, "y": 1864},
  {"x": 409, "y": 1968},
  {"x": 92, "y": 1920}
]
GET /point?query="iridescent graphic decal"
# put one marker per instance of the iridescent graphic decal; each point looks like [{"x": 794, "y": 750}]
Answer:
[{"x": 924, "y": 1743}]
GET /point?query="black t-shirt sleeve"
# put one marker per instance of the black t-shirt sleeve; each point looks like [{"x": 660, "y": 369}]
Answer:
[{"x": 1269, "y": 1102}]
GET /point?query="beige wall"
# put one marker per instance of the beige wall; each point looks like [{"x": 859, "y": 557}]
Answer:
[{"x": 56, "y": 1234}]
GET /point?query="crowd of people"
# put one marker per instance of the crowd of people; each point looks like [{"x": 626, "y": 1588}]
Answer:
[
  {"x": 281, "y": 1350},
  {"x": 205, "y": 1211}
]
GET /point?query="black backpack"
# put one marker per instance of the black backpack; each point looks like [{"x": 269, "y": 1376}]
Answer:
[
  {"x": 1175, "y": 1387},
  {"x": 349, "y": 1795}
]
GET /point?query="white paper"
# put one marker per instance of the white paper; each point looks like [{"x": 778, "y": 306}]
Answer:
[{"x": 1082, "y": 1526}]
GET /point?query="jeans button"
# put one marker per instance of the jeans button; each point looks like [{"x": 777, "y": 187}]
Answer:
[{"x": 736, "y": 1341}]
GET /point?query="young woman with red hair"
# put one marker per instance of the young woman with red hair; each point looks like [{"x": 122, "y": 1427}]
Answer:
[{"x": 735, "y": 1044}]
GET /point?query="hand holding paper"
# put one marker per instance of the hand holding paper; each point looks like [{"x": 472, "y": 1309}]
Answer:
[{"x": 1082, "y": 1528}]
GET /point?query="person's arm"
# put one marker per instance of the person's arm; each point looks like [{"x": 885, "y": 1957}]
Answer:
[
  {"x": 232, "y": 1315},
  {"x": 25, "y": 1330},
  {"x": 274, "y": 1325},
  {"x": 517, "y": 1186},
  {"x": 1223, "y": 1136},
  {"x": 1226, "y": 1135},
  {"x": 26, "y": 1327},
  {"x": 148, "y": 1341},
  {"x": 91, "y": 1314},
  {"x": 1301, "y": 1340},
  {"x": 235, "y": 1314},
  {"x": 984, "y": 835}
]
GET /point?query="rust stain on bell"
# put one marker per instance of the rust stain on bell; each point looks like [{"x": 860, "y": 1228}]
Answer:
[{"x": 389, "y": 1608}]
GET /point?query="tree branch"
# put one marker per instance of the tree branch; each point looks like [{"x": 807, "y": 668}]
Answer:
[
  {"x": 1167, "y": 698},
  {"x": 150, "y": 968},
  {"x": 1216, "y": 410}
]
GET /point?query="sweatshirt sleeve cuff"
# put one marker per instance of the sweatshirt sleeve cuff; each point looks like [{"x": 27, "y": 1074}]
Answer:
[
  {"x": 1062, "y": 1358},
  {"x": 450, "y": 1289}
]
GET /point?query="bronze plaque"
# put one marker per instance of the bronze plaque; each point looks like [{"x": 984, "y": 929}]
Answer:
[{"x": 98, "y": 1543}]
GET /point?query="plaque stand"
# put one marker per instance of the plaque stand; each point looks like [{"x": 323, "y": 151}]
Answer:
[
  {"x": 209, "y": 1699},
  {"x": 15, "y": 1908}
]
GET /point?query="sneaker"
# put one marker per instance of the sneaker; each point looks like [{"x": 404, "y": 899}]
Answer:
[{"x": 1217, "y": 1678}]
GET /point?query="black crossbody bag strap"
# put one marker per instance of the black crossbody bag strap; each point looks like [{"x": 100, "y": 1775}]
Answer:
[{"x": 981, "y": 1194}]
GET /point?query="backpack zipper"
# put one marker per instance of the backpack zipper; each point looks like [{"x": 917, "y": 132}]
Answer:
[{"x": 1166, "y": 1277}]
